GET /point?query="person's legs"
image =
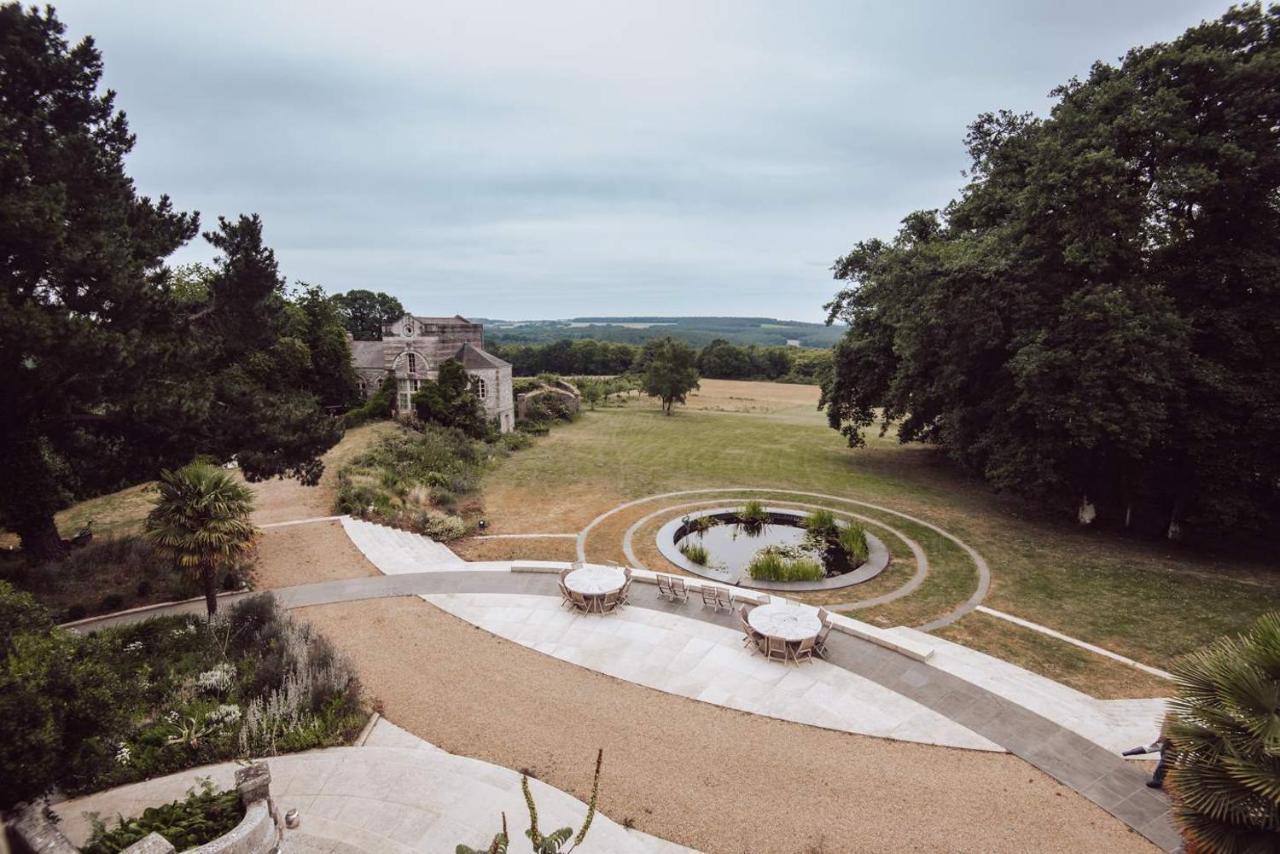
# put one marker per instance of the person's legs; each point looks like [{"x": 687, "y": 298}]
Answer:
[{"x": 1157, "y": 778}]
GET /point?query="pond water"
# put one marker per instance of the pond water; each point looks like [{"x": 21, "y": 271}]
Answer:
[{"x": 731, "y": 546}]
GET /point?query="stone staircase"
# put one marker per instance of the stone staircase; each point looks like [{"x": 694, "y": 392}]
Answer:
[{"x": 396, "y": 552}]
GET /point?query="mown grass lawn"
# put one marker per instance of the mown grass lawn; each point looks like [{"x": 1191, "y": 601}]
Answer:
[{"x": 1148, "y": 600}]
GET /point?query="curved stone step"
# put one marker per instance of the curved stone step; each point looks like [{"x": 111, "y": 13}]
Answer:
[{"x": 396, "y": 552}]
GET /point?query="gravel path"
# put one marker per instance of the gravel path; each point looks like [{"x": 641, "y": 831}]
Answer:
[
  {"x": 708, "y": 777},
  {"x": 302, "y": 554}
]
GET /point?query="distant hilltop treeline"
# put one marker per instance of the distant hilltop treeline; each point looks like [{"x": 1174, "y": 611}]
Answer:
[
  {"x": 698, "y": 331},
  {"x": 720, "y": 359}
]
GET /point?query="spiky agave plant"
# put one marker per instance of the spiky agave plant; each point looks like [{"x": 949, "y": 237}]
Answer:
[
  {"x": 1224, "y": 730},
  {"x": 201, "y": 522}
]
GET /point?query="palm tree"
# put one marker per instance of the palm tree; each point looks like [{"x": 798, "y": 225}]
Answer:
[
  {"x": 1224, "y": 733},
  {"x": 201, "y": 521}
]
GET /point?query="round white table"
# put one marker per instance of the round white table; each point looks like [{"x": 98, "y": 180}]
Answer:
[
  {"x": 595, "y": 580},
  {"x": 788, "y": 622}
]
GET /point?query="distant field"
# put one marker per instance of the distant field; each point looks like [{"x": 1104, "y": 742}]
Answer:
[{"x": 698, "y": 331}]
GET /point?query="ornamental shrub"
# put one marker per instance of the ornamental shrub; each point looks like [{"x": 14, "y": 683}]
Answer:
[{"x": 204, "y": 815}]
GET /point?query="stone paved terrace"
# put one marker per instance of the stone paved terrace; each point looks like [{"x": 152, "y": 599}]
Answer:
[
  {"x": 957, "y": 697},
  {"x": 396, "y": 794}
]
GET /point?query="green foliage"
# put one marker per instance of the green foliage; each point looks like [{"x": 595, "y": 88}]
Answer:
[
  {"x": 204, "y": 815},
  {"x": 554, "y": 842},
  {"x": 584, "y": 357},
  {"x": 606, "y": 362},
  {"x": 853, "y": 541},
  {"x": 725, "y": 361},
  {"x": 364, "y": 313},
  {"x": 406, "y": 480},
  {"x": 821, "y": 524},
  {"x": 695, "y": 552},
  {"x": 695, "y": 331},
  {"x": 1094, "y": 317},
  {"x": 123, "y": 704},
  {"x": 201, "y": 523},
  {"x": 1224, "y": 728},
  {"x": 380, "y": 405},
  {"x": 59, "y": 700},
  {"x": 314, "y": 320},
  {"x": 669, "y": 371},
  {"x": 126, "y": 569},
  {"x": 753, "y": 514},
  {"x": 20, "y": 614},
  {"x": 450, "y": 401},
  {"x": 773, "y": 563},
  {"x": 113, "y": 369}
]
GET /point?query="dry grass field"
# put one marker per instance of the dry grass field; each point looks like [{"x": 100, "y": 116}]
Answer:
[{"x": 1145, "y": 599}]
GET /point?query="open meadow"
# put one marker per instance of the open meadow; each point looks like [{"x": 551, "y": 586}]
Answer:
[{"x": 1147, "y": 600}]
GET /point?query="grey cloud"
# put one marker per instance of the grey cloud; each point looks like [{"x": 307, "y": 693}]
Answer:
[{"x": 541, "y": 160}]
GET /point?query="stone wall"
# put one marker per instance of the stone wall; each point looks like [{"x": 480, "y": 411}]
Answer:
[{"x": 259, "y": 832}]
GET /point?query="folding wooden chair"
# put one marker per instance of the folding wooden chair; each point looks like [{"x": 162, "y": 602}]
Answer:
[
  {"x": 820, "y": 642},
  {"x": 776, "y": 649},
  {"x": 709, "y": 597},
  {"x": 679, "y": 590},
  {"x": 664, "y": 588},
  {"x": 803, "y": 651}
]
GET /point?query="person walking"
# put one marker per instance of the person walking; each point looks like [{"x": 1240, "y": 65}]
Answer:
[{"x": 1161, "y": 746}]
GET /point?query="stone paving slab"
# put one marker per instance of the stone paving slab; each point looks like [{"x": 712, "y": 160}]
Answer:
[
  {"x": 708, "y": 662},
  {"x": 1070, "y": 758},
  {"x": 395, "y": 794}
]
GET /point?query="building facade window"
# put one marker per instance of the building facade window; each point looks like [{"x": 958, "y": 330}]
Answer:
[
  {"x": 482, "y": 391},
  {"x": 408, "y": 329},
  {"x": 412, "y": 361}
]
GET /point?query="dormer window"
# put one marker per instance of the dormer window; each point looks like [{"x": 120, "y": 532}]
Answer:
[{"x": 413, "y": 363}]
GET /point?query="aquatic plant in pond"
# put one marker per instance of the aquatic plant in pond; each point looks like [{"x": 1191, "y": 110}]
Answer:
[
  {"x": 821, "y": 524},
  {"x": 753, "y": 514},
  {"x": 701, "y": 524},
  {"x": 695, "y": 552},
  {"x": 853, "y": 541},
  {"x": 782, "y": 563}
]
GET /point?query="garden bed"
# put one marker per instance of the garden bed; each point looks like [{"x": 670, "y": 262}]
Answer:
[
  {"x": 132, "y": 702},
  {"x": 106, "y": 576}
]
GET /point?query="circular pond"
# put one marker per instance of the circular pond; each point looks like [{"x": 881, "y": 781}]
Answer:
[{"x": 772, "y": 548}]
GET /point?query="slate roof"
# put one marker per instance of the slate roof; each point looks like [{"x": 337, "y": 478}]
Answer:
[{"x": 473, "y": 358}]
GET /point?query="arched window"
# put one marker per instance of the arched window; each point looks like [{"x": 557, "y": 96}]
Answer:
[
  {"x": 413, "y": 363},
  {"x": 481, "y": 391}
]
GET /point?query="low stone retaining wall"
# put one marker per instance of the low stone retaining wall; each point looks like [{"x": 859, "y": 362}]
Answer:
[{"x": 259, "y": 832}]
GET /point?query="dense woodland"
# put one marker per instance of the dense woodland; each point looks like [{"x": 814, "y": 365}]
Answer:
[
  {"x": 1095, "y": 321},
  {"x": 719, "y": 359}
]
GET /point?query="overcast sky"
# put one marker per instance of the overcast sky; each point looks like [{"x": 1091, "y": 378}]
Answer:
[{"x": 538, "y": 160}]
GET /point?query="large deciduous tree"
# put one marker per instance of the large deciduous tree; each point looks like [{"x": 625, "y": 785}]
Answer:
[
  {"x": 364, "y": 313},
  {"x": 108, "y": 371},
  {"x": 670, "y": 372},
  {"x": 1096, "y": 320}
]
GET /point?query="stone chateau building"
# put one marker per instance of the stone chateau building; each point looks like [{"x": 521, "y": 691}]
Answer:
[{"x": 413, "y": 348}]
